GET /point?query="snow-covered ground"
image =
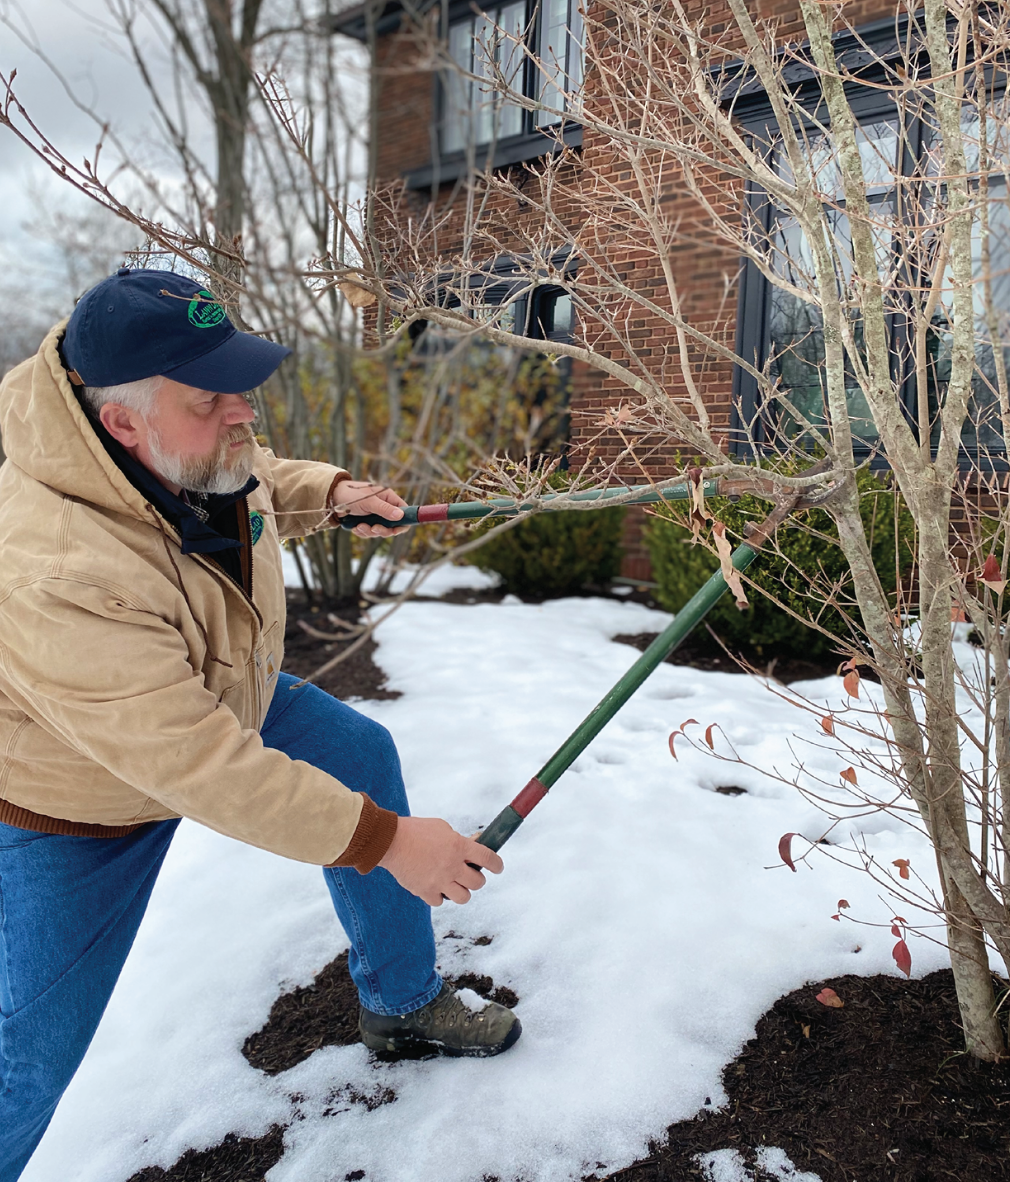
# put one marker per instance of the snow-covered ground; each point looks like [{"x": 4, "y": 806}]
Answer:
[{"x": 643, "y": 920}]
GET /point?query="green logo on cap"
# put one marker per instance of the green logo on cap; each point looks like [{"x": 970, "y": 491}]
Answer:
[{"x": 205, "y": 311}]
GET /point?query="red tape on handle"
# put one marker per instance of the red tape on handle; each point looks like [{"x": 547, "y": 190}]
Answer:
[
  {"x": 529, "y": 798},
  {"x": 428, "y": 513}
]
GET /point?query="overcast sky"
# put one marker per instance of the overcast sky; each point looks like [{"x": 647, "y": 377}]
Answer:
[
  {"x": 80, "y": 39},
  {"x": 77, "y": 38},
  {"x": 61, "y": 46}
]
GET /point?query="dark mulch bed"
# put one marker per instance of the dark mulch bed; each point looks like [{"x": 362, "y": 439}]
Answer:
[
  {"x": 879, "y": 1090},
  {"x": 325, "y": 1014},
  {"x": 322, "y": 1014},
  {"x": 701, "y": 650},
  {"x": 356, "y": 677},
  {"x": 483, "y": 985},
  {"x": 236, "y": 1159},
  {"x": 360, "y": 677}
]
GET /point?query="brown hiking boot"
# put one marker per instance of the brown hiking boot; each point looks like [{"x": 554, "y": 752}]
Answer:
[{"x": 445, "y": 1026}]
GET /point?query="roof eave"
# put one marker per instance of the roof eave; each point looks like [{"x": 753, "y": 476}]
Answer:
[{"x": 354, "y": 21}]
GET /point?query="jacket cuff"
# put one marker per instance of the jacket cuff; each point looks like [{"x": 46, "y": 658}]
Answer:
[
  {"x": 333, "y": 516},
  {"x": 373, "y": 836}
]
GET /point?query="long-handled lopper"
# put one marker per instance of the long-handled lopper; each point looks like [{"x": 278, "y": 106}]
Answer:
[
  {"x": 504, "y": 507},
  {"x": 687, "y": 619}
]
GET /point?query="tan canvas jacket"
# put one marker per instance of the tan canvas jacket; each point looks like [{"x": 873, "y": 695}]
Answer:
[{"x": 133, "y": 678}]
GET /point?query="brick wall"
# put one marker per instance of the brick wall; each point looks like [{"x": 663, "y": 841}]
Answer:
[
  {"x": 704, "y": 269},
  {"x": 404, "y": 136}
]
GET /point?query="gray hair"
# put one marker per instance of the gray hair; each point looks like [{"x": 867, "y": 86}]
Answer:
[{"x": 138, "y": 396}]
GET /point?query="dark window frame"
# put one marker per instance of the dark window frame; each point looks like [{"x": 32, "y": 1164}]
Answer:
[
  {"x": 755, "y": 115},
  {"x": 531, "y": 143},
  {"x": 499, "y": 284},
  {"x": 502, "y": 279}
]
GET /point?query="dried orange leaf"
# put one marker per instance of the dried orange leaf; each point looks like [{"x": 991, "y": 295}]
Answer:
[
  {"x": 828, "y": 997},
  {"x": 843, "y": 904},
  {"x": 698, "y": 492},
  {"x": 851, "y": 683},
  {"x": 785, "y": 843},
  {"x": 902, "y": 957},
  {"x": 356, "y": 295},
  {"x": 680, "y": 731},
  {"x": 699, "y": 514},
  {"x": 902, "y": 864},
  {"x": 828, "y": 724},
  {"x": 729, "y": 571},
  {"x": 992, "y": 576},
  {"x": 698, "y": 521},
  {"x": 850, "y": 775},
  {"x": 708, "y": 736}
]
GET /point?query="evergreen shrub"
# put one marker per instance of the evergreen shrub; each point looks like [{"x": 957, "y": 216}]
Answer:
[
  {"x": 805, "y": 563},
  {"x": 555, "y": 554}
]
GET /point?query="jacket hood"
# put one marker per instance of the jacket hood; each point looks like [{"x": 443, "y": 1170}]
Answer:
[{"x": 46, "y": 434}]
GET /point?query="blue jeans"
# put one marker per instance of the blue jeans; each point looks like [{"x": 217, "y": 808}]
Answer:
[{"x": 70, "y": 908}]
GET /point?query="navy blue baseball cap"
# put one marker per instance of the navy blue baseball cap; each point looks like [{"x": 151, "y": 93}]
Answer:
[{"x": 137, "y": 324}]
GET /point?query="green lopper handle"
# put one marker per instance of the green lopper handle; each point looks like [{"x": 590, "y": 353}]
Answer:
[
  {"x": 690, "y": 615},
  {"x": 503, "y": 507}
]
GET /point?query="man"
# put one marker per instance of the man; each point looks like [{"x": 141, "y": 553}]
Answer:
[{"x": 141, "y": 632}]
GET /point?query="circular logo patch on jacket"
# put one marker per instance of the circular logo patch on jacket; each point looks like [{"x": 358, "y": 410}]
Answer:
[
  {"x": 256, "y": 525},
  {"x": 204, "y": 310}
]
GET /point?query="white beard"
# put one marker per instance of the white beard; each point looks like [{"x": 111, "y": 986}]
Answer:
[{"x": 221, "y": 472}]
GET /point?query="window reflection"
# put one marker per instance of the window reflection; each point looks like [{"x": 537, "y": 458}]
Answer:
[
  {"x": 982, "y": 427},
  {"x": 560, "y": 54},
  {"x": 795, "y": 323},
  {"x": 489, "y": 46}
]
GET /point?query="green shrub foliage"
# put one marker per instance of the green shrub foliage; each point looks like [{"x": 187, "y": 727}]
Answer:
[
  {"x": 803, "y": 565},
  {"x": 552, "y": 554}
]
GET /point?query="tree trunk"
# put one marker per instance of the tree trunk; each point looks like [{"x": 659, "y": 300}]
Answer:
[
  {"x": 230, "y": 94},
  {"x": 933, "y": 777},
  {"x": 969, "y": 958},
  {"x": 230, "y": 189}
]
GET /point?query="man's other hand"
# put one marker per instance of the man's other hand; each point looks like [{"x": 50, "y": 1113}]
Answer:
[
  {"x": 361, "y": 498},
  {"x": 431, "y": 860}
]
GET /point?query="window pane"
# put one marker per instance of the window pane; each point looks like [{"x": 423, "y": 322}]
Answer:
[
  {"x": 485, "y": 43},
  {"x": 560, "y": 53},
  {"x": 489, "y": 46},
  {"x": 562, "y": 319},
  {"x": 796, "y": 331},
  {"x": 501, "y": 316},
  {"x": 795, "y": 327},
  {"x": 997, "y": 135},
  {"x": 797, "y": 339},
  {"x": 511, "y": 59},
  {"x": 878, "y": 152},
  {"x": 457, "y": 99},
  {"x": 576, "y": 43},
  {"x": 982, "y": 427}
]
